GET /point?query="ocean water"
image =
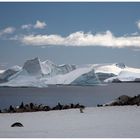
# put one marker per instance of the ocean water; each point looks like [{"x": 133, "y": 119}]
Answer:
[{"x": 86, "y": 95}]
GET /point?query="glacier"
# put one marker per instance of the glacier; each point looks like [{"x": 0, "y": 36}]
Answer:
[
  {"x": 125, "y": 76},
  {"x": 4, "y": 75},
  {"x": 78, "y": 76},
  {"x": 36, "y": 73}
]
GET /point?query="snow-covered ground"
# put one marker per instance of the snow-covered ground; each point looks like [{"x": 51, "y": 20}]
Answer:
[{"x": 103, "y": 122}]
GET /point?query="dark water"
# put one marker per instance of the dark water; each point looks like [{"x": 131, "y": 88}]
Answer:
[{"x": 88, "y": 96}]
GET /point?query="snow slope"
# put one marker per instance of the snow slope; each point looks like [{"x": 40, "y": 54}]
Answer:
[
  {"x": 113, "y": 68},
  {"x": 75, "y": 77},
  {"x": 119, "y": 70},
  {"x": 1, "y": 71},
  {"x": 9, "y": 72},
  {"x": 107, "y": 68},
  {"x": 95, "y": 122},
  {"x": 125, "y": 76}
]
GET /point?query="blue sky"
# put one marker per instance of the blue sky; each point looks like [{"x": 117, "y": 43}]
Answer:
[{"x": 75, "y": 33}]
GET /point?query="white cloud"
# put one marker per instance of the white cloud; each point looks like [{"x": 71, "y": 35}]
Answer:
[
  {"x": 138, "y": 24},
  {"x": 39, "y": 25},
  {"x": 15, "y": 37},
  {"x": 26, "y": 26},
  {"x": 8, "y": 30},
  {"x": 79, "y": 39}
]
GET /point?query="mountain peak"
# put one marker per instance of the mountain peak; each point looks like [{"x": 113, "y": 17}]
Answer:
[{"x": 32, "y": 66}]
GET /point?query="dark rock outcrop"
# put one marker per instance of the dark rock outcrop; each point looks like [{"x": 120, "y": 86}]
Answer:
[
  {"x": 121, "y": 65},
  {"x": 31, "y": 107},
  {"x": 11, "y": 109},
  {"x": 125, "y": 100}
]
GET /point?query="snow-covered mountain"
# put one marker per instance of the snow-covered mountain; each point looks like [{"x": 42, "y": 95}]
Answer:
[
  {"x": 117, "y": 72},
  {"x": 115, "y": 68},
  {"x": 125, "y": 76},
  {"x": 79, "y": 76},
  {"x": 47, "y": 68},
  {"x": 9, "y": 72},
  {"x": 41, "y": 74}
]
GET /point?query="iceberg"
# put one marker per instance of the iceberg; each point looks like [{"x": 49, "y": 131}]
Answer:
[{"x": 36, "y": 73}]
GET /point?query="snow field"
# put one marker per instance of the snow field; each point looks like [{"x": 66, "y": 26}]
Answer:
[{"x": 95, "y": 122}]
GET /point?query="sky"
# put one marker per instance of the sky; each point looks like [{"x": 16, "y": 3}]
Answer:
[{"x": 70, "y": 32}]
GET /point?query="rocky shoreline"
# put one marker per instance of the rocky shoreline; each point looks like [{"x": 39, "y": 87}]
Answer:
[
  {"x": 125, "y": 100},
  {"x": 31, "y": 107}
]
